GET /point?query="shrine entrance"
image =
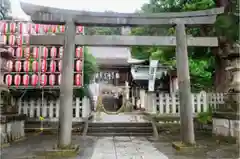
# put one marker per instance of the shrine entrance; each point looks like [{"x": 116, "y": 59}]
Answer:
[{"x": 110, "y": 99}]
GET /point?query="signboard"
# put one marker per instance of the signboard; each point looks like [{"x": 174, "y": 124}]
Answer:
[
  {"x": 37, "y": 66},
  {"x": 152, "y": 74}
]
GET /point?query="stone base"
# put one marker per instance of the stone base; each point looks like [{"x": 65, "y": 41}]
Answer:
[
  {"x": 226, "y": 127},
  {"x": 178, "y": 145},
  {"x": 56, "y": 153},
  {"x": 11, "y": 129}
]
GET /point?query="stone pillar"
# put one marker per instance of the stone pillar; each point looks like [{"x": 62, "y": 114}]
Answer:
[
  {"x": 127, "y": 90},
  {"x": 142, "y": 98},
  {"x": 175, "y": 84},
  {"x": 151, "y": 104},
  {"x": 85, "y": 107}
]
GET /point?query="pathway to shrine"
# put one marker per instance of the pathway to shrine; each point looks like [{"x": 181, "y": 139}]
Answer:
[{"x": 124, "y": 147}]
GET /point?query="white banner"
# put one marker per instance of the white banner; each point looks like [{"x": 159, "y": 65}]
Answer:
[{"x": 152, "y": 74}]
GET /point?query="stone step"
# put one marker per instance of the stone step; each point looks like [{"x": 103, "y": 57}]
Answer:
[
  {"x": 119, "y": 134},
  {"x": 120, "y": 124},
  {"x": 121, "y": 129}
]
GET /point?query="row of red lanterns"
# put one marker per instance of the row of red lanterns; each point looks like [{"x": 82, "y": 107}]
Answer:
[
  {"x": 34, "y": 79},
  {"x": 31, "y": 28},
  {"x": 27, "y": 65},
  {"x": 54, "y": 52}
]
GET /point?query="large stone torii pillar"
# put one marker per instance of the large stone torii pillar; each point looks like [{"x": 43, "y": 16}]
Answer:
[{"x": 48, "y": 15}]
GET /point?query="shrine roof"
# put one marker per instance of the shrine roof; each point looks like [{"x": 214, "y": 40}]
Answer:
[{"x": 110, "y": 55}]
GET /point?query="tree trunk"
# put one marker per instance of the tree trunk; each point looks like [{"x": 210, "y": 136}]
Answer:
[{"x": 221, "y": 76}]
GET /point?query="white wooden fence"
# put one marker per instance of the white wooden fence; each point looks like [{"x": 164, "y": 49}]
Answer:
[
  {"x": 169, "y": 103},
  {"x": 49, "y": 109}
]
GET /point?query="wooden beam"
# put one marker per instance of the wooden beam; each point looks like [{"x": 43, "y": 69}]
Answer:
[
  {"x": 49, "y": 15},
  {"x": 118, "y": 40}
]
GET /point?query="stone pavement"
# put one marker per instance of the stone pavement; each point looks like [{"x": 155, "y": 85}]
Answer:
[{"x": 125, "y": 148}]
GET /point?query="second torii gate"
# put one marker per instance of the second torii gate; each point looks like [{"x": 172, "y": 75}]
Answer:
[{"x": 48, "y": 15}]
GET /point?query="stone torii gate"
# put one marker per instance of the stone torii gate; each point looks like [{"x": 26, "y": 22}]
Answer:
[{"x": 48, "y": 15}]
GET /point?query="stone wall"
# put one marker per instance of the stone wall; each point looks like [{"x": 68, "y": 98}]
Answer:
[
  {"x": 226, "y": 127},
  {"x": 11, "y": 131}
]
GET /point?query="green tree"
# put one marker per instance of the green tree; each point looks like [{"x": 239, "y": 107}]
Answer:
[
  {"x": 204, "y": 62},
  {"x": 5, "y": 9}
]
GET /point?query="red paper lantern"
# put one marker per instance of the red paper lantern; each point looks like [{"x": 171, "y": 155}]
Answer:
[
  {"x": 37, "y": 28},
  {"x": 12, "y": 51},
  {"x": 26, "y": 66},
  {"x": 34, "y": 80},
  {"x": 62, "y": 28},
  {"x": 19, "y": 52},
  {"x": 46, "y": 28},
  {"x": 60, "y": 65},
  {"x": 4, "y": 39},
  {"x": 8, "y": 80},
  {"x": 19, "y": 40},
  {"x": 11, "y": 40},
  {"x": 45, "y": 52},
  {"x": 43, "y": 80},
  {"x": 18, "y": 66},
  {"x": 35, "y": 66},
  {"x": 17, "y": 80},
  {"x": 20, "y": 28},
  {"x": 12, "y": 27},
  {"x": 59, "y": 79},
  {"x": 43, "y": 65},
  {"x": 53, "y": 52},
  {"x": 79, "y": 65},
  {"x": 25, "y": 80},
  {"x": 78, "y": 80},
  {"x": 35, "y": 52},
  {"x": 29, "y": 28},
  {"x": 79, "y": 29},
  {"x": 60, "y": 53},
  {"x": 52, "y": 80},
  {"x": 27, "y": 52},
  {"x": 4, "y": 27},
  {"x": 54, "y": 28},
  {"x": 26, "y": 39},
  {"x": 79, "y": 52},
  {"x": 10, "y": 65},
  {"x": 52, "y": 66}
]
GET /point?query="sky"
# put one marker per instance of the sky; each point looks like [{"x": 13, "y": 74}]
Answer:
[{"x": 124, "y": 6}]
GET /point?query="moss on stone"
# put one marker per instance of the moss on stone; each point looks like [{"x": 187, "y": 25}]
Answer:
[
  {"x": 182, "y": 146},
  {"x": 56, "y": 152}
]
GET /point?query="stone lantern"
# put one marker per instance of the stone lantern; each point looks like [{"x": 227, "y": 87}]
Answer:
[{"x": 226, "y": 118}]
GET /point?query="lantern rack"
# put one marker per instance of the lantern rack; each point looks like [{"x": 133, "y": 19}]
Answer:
[{"x": 16, "y": 35}]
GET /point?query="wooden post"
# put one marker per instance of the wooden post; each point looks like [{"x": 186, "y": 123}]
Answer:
[
  {"x": 187, "y": 128},
  {"x": 66, "y": 88}
]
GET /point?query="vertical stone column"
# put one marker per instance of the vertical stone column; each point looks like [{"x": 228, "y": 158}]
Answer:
[
  {"x": 142, "y": 98},
  {"x": 127, "y": 90},
  {"x": 151, "y": 104},
  {"x": 66, "y": 88}
]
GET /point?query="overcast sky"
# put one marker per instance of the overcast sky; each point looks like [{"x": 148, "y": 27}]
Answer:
[{"x": 125, "y": 6}]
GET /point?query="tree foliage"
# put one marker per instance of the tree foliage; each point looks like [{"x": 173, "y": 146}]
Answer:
[
  {"x": 5, "y": 9},
  {"x": 201, "y": 60}
]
